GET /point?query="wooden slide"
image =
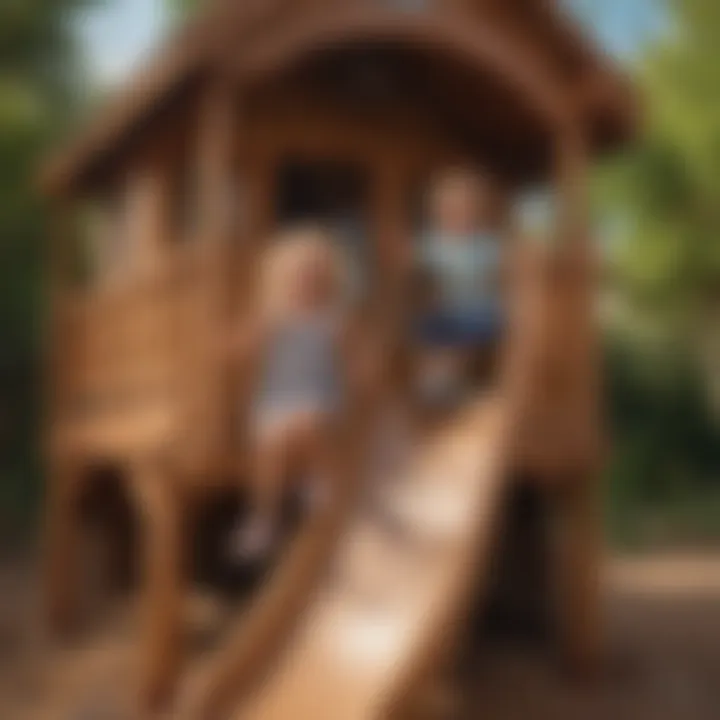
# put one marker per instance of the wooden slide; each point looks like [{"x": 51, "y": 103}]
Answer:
[{"x": 408, "y": 563}]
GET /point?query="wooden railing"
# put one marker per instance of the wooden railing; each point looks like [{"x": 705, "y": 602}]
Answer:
[
  {"x": 136, "y": 352},
  {"x": 141, "y": 364}
]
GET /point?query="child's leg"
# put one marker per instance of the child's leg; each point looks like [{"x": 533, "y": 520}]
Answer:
[
  {"x": 271, "y": 457},
  {"x": 439, "y": 362},
  {"x": 318, "y": 449},
  {"x": 271, "y": 462},
  {"x": 485, "y": 336}
]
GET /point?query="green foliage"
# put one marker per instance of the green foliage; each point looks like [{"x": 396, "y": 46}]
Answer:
[
  {"x": 668, "y": 189},
  {"x": 38, "y": 83},
  {"x": 663, "y": 476},
  {"x": 182, "y": 8},
  {"x": 664, "y": 198}
]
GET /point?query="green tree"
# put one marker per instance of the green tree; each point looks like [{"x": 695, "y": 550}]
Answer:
[
  {"x": 182, "y": 8},
  {"x": 39, "y": 79},
  {"x": 665, "y": 194},
  {"x": 663, "y": 201}
]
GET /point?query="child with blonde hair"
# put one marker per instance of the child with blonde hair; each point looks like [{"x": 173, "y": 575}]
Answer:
[{"x": 300, "y": 330}]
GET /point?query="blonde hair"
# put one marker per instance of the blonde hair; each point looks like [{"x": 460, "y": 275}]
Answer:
[{"x": 293, "y": 248}]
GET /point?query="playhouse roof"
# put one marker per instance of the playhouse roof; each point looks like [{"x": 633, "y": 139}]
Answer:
[{"x": 194, "y": 47}]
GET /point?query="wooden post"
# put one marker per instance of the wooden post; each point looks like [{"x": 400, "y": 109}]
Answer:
[
  {"x": 389, "y": 221},
  {"x": 578, "y": 537},
  {"x": 148, "y": 210},
  {"x": 216, "y": 160},
  {"x": 216, "y": 165},
  {"x": 160, "y": 508},
  {"x": 259, "y": 205},
  {"x": 61, "y": 338},
  {"x": 255, "y": 222},
  {"x": 571, "y": 178},
  {"x": 61, "y": 571},
  {"x": 217, "y": 188},
  {"x": 159, "y": 496},
  {"x": 389, "y": 291},
  {"x": 578, "y": 553},
  {"x": 63, "y": 476}
]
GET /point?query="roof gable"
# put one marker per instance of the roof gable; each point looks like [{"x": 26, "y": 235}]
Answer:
[{"x": 222, "y": 26}]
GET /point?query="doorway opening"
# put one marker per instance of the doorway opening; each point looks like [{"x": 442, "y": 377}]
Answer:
[{"x": 333, "y": 195}]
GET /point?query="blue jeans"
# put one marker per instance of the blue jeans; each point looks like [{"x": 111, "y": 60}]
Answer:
[{"x": 462, "y": 328}]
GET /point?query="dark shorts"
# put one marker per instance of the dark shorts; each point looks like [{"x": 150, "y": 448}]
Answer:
[{"x": 461, "y": 329}]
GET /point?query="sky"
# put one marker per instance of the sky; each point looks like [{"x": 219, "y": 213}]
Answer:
[
  {"x": 121, "y": 32},
  {"x": 621, "y": 26},
  {"x": 118, "y": 34}
]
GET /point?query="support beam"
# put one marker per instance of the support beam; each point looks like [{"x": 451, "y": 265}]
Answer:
[
  {"x": 160, "y": 509},
  {"x": 148, "y": 211},
  {"x": 392, "y": 235},
  {"x": 58, "y": 368},
  {"x": 574, "y": 292},
  {"x": 62, "y": 540},
  {"x": 571, "y": 184},
  {"x": 64, "y": 475},
  {"x": 572, "y": 330},
  {"x": 159, "y": 495},
  {"x": 578, "y": 575},
  {"x": 216, "y": 160},
  {"x": 205, "y": 419}
]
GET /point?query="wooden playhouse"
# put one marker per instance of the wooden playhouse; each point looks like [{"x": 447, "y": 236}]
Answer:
[{"x": 262, "y": 112}]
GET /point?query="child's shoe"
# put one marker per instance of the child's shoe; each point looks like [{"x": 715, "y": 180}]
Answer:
[
  {"x": 255, "y": 540},
  {"x": 315, "y": 494},
  {"x": 441, "y": 385}
]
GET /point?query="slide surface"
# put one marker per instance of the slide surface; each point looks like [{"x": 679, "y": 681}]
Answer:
[{"x": 405, "y": 569}]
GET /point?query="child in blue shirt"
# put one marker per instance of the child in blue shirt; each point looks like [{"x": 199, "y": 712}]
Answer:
[{"x": 460, "y": 256}]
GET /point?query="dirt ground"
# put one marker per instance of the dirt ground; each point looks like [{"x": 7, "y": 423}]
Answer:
[
  {"x": 662, "y": 653},
  {"x": 663, "y": 656}
]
